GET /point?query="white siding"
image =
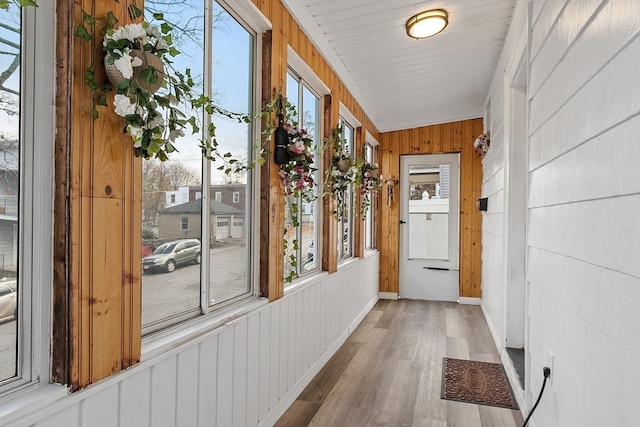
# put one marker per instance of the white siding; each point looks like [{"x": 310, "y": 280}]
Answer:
[
  {"x": 583, "y": 237},
  {"x": 245, "y": 372}
]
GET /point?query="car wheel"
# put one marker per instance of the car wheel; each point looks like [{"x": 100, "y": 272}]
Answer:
[
  {"x": 198, "y": 259},
  {"x": 171, "y": 265}
]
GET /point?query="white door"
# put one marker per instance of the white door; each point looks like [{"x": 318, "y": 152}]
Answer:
[{"x": 429, "y": 226}]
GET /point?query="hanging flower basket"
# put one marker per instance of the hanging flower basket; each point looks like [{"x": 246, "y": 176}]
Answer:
[
  {"x": 482, "y": 143},
  {"x": 149, "y": 63},
  {"x": 344, "y": 165}
]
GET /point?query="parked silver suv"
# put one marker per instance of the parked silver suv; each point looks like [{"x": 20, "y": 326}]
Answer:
[{"x": 169, "y": 255}]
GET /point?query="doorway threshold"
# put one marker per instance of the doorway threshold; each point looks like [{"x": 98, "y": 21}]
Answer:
[{"x": 517, "y": 358}]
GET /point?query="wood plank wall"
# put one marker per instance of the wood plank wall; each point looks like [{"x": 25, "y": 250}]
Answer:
[
  {"x": 456, "y": 137},
  {"x": 98, "y": 211}
]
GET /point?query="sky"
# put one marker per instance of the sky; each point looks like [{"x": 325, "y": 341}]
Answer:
[{"x": 230, "y": 81}]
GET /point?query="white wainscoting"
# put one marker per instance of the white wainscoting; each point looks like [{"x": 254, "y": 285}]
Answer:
[{"x": 245, "y": 372}]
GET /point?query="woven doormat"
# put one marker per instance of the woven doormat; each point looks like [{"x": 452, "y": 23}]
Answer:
[{"x": 476, "y": 382}]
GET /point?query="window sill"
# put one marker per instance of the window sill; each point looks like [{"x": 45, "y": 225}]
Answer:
[
  {"x": 370, "y": 252},
  {"x": 161, "y": 342},
  {"x": 344, "y": 263},
  {"x": 19, "y": 405},
  {"x": 305, "y": 281}
]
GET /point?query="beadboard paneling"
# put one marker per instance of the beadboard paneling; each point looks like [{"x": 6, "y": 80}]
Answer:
[{"x": 243, "y": 373}]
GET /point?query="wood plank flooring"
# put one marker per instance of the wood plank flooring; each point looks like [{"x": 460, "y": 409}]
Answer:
[{"x": 388, "y": 373}]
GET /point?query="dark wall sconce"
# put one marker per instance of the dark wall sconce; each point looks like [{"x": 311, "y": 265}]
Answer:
[{"x": 482, "y": 204}]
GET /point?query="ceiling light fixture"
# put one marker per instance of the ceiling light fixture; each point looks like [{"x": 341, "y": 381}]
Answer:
[{"x": 427, "y": 24}]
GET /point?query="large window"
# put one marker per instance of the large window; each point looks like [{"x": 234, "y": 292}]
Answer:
[
  {"x": 369, "y": 157},
  {"x": 221, "y": 49},
  {"x": 26, "y": 153},
  {"x": 345, "y": 221},
  {"x": 302, "y": 246}
]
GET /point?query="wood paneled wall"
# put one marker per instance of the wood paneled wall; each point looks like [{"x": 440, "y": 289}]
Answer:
[
  {"x": 98, "y": 211},
  {"x": 456, "y": 137}
]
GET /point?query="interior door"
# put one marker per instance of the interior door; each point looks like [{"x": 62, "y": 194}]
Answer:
[{"x": 429, "y": 227}]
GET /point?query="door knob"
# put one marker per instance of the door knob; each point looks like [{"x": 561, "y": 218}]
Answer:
[{"x": 402, "y": 222}]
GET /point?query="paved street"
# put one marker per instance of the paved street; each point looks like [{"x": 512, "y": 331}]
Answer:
[
  {"x": 7, "y": 349},
  {"x": 167, "y": 294}
]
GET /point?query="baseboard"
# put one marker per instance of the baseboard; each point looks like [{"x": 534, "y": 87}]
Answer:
[
  {"x": 469, "y": 301},
  {"x": 353, "y": 325},
  {"x": 388, "y": 295}
]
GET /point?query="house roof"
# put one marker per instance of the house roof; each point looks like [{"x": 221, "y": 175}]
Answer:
[{"x": 195, "y": 207}]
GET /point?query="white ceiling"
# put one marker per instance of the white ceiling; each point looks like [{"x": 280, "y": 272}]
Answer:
[{"x": 401, "y": 82}]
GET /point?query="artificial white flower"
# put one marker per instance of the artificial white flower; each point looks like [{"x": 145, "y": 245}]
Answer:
[
  {"x": 123, "y": 105},
  {"x": 126, "y": 62},
  {"x": 153, "y": 31},
  {"x": 132, "y": 31},
  {"x": 162, "y": 44},
  {"x": 176, "y": 133},
  {"x": 136, "y": 133}
]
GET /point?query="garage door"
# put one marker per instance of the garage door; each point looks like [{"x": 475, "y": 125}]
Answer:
[
  {"x": 223, "y": 227},
  {"x": 237, "y": 228}
]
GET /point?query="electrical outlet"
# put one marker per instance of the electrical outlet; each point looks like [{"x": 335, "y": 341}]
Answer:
[{"x": 550, "y": 360}]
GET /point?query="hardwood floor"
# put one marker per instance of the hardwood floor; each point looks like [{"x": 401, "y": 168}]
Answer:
[{"x": 388, "y": 373}]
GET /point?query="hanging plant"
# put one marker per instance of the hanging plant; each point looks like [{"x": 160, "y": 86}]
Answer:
[
  {"x": 342, "y": 174},
  {"x": 369, "y": 183},
  {"x": 297, "y": 179},
  {"x": 482, "y": 143},
  {"x": 158, "y": 103}
]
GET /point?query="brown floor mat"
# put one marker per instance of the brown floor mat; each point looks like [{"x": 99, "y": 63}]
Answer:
[{"x": 476, "y": 382}]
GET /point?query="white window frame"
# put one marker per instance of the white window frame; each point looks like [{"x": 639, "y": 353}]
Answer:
[
  {"x": 347, "y": 118},
  {"x": 218, "y": 196},
  {"x": 309, "y": 79},
  {"x": 36, "y": 199},
  {"x": 153, "y": 335},
  {"x": 236, "y": 197},
  {"x": 371, "y": 146}
]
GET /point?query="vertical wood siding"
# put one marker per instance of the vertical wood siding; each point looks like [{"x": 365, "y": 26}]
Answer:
[
  {"x": 456, "y": 137},
  {"x": 102, "y": 227},
  {"x": 244, "y": 373}
]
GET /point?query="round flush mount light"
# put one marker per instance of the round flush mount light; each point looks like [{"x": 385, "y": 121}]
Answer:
[{"x": 427, "y": 24}]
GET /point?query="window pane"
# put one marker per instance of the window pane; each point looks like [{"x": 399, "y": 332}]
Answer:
[
  {"x": 368, "y": 226},
  {"x": 10, "y": 42},
  {"x": 429, "y": 211},
  {"x": 232, "y": 82},
  {"x": 309, "y": 221},
  {"x": 345, "y": 224},
  {"x": 171, "y": 210},
  {"x": 301, "y": 215}
]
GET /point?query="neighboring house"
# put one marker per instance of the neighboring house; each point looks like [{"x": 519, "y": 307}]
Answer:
[
  {"x": 229, "y": 194},
  {"x": 183, "y": 221}
]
